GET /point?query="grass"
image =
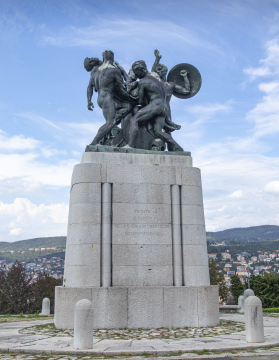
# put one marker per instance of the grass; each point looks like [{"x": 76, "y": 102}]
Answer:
[
  {"x": 271, "y": 310},
  {"x": 7, "y": 318}
]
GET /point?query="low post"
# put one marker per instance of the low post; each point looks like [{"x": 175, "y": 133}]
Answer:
[
  {"x": 253, "y": 313},
  {"x": 241, "y": 303},
  {"x": 83, "y": 325},
  {"x": 45, "y": 307},
  {"x": 247, "y": 293}
]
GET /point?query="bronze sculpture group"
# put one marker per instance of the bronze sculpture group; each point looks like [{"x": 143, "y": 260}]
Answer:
[{"x": 141, "y": 107}]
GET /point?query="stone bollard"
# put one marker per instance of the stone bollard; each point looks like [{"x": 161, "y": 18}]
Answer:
[
  {"x": 83, "y": 325},
  {"x": 45, "y": 307},
  {"x": 241, "y": 303},
  {"x": 253, "y": 313},
  {"x": 247, "y": 293}
]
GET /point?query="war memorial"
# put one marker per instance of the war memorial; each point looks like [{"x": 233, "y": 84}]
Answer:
[
  {"x": 136, "y": 244},
  {"x": 136, "y": 279}
]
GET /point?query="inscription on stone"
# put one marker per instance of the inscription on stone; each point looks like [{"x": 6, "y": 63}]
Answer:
[
  {"x": 142, "y": 215},
  {"x": 128, "y": 227}
]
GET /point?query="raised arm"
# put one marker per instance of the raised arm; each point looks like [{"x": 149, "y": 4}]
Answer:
[
  {"x": 157, "y": 60},
  {"x": 123, "y": 72},
  {"x": 187, "y": 88}
]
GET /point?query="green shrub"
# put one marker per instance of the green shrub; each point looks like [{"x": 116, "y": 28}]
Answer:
[{"x": 271, "y": 310}]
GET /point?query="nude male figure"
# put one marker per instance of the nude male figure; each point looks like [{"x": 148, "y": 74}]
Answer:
[
  {"x": 107, "y": 79},
  {"x": 152, "y": 95},
  {"x": 162, "y": 70}
]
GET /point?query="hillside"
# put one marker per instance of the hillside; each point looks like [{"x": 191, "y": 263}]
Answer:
[
  {"x": 251, "y": 247},
  {"x": 248, "y": 239},
  {"x": 253, "y": 233},
  {"x": 29, "y": 250}
]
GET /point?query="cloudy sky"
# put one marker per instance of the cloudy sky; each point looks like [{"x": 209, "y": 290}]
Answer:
[{"x": 231, "y": 126}]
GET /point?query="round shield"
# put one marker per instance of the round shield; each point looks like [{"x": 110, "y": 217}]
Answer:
[{"x": 194, "y": 78}]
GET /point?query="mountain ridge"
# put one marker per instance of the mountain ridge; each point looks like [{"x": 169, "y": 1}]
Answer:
[{"x": 31, "y": 249}]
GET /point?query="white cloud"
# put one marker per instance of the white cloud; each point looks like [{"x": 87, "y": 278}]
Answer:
[
  {"x": 30, "y": 171},
  {"x": 265, "y": 114},
  {"x": 119, "y": 32},
  {"x": 29, "y": 167},
  {"x": 39, "y": 119},
  {"x": 208, "y": 111},
  {"x": 24, "y": 220},
  {"x": 235, "y": 186},
  {"x": 17, "y": 142},
  {"x": 269, "y": 65},
  {"x": 238, "y": 194},
  {"x": 272, "y": 187}
]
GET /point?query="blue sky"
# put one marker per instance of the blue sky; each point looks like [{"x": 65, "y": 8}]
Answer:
[{"x": 231, "y": 126}]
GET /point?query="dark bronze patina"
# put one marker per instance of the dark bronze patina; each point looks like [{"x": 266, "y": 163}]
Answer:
[{"x": 138, "y": 101}]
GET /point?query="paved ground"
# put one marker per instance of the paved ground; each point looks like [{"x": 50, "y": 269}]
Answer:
[{"x": 39, "y": 340}]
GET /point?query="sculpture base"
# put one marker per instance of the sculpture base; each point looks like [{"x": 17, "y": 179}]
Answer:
[
  {"x": 146, "y": 307},
  {"x": 128, "y": 150}
]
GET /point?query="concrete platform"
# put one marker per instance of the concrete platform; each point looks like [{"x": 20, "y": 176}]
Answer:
[{"x": 62, "y": 343}]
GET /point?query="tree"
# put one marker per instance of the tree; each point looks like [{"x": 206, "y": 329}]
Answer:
[
  {"x": 15, "y": 290},
  {"x": 216, "y": 278},
  {"x": 3, "y": 297},
  {"x": 266, "y": 287},
  {"x": 20, "y": 293},
  {"x": 44, "y": 287},
  {"x": 237, "y": 288}
]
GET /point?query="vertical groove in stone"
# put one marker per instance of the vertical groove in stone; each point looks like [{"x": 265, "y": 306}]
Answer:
[
  {"x": 106, "y": 235},
  {"x": 176, "y": 235}
]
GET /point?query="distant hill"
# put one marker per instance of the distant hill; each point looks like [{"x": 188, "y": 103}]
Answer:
[
  {"x": 46, "y": 247},
  {"x": 253, "y": 233},
  {"x": 29, "y": 250}
]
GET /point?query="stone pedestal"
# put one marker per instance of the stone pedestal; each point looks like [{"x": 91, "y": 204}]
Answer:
[{"x": 136, "y": 244}]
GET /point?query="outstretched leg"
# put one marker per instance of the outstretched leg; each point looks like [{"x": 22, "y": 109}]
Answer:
[{"x": 158, "y": 130}]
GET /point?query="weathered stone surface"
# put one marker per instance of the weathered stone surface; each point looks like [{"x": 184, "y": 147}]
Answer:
[
  {"x": 86, "y": 193},
  {"x": 123, "y": 173},
  {"x": 136, "y": 228},
  {"x": 45, "y": 307},
  {"x": 241, "y": 303},
  {"x": 247, "y": 293},
  {"x": 191, "y": 176},
  {"x": 84, "y": 213},
  {"x": 191, "y": 195},
  {"x": 146, "y": 307},
  {"x": 83, "y": 254},
  {"x": 155, "y": 234},
  {"x": 140, "y": 307},
  {"x": 141, "y": 214},
  {"x": 195, "y": 255},
  {"x": 83, "y": 234},
  {"x": 193, "y": 234},
  {"x": 133, "y": 255},
  {"x": 83, "y": 325},
  {"x": 143, "y": 275},
  {"x": 82, "y": 275},
  {"x": 137, "y": 159},
  {"x": 65, "y": 301},
  {"x": 180, "y": 307},
  {"x": 208, "y": 307},
  {"x": 111, "y": 307},
  {"x": 87, "y": 173},
  {"x": 196, "y": 275},
  {"x": 158, "y": 174},
  {"x": 253, "y": 314},
  {"x": 141, "y": 193},
  {"x": 192, "y": 215}
]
